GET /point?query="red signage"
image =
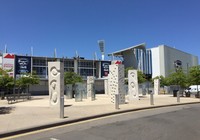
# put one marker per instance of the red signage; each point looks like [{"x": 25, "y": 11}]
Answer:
[
  {"x": 11, "y": 56},
  {"x": 118, "y": 62}
]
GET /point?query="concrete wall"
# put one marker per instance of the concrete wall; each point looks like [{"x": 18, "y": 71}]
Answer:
[
  {"x": 130, "y": 59},
  {"x": 155, "y": 62},
  {"x": 163, "y": 58},
  {"x": 172, "y": 54}
]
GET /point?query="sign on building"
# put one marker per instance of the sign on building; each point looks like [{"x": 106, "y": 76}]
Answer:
[
  {"x": 22, "y": 65},
  {"x": 105, "y": 68},
  {"x": 8, "y": 63}
]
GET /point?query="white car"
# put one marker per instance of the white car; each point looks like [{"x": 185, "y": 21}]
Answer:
[{"x": 192, "y": 90}]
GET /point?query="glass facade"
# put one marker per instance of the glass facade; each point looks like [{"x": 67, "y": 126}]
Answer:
[
  {"x": 39, "y": 65},
  {"x": 148, "y": 62},
  {"x": 39, "y": 62},
  {"x": 68, "y": 65},
  {"x": 86, "y": 68},
  {"x": 144, "y": 61},
  {"x": 40, "y": 71},
  {"x": 83, "y": 67},
  {"x": 148, "y": 71}
]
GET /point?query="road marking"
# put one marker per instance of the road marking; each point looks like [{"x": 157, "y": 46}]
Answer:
[{"x": 53, "y": 139}]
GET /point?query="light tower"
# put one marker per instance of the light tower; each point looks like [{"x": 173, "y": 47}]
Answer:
[{"x": 102, "y": 46}]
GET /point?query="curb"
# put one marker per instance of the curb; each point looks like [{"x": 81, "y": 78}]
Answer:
[{"x": 26, "y": 130}]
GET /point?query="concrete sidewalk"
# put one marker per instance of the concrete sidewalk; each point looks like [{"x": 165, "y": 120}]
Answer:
[{"x": 36, "y": 113}]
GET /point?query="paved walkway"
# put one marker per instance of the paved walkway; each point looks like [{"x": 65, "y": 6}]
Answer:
[{"x": 36, "y": 112}]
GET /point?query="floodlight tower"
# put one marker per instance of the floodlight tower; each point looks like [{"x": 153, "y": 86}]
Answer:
[{"x": 102, "y": 46}]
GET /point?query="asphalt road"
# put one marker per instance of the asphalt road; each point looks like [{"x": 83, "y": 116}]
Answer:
[{"x": 169, "y": 123}]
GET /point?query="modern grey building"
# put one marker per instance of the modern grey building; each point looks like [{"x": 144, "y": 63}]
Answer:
[
  {"x": 157, "y": 61},
  {"x": 166, "y": 60},
  {"x": 137, "y": 57}
]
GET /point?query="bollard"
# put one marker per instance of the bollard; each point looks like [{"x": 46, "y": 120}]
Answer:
[
  {"x": 116, "y": 101},
  {"x": 151, "y": 99},
  {"x": 62, "y": 107},
  {"x": 93, "y": 97},
  {"x": 92, "y": 92},
  {"x": 178, "y": 97}
]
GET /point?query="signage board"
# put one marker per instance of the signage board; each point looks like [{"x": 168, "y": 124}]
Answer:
[
  {"x": 105, "y": 68},
  {"x": 22, "y": 64},
  {"x": 8, "y": 63}
]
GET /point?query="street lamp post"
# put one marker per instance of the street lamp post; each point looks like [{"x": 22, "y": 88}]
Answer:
[{"x": 102, "y": 47}]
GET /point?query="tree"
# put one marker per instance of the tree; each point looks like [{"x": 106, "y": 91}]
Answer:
[
  {"x": 6, "y": 81},
  {"x": 194, "y": 77},
  {"x": 72, "y": 78},
  {"x": 177, "y": 78},
  {"x": 26, "y": 80},
  {"x": 2, "y": 72},
  {"x": 141, "y": 77}
]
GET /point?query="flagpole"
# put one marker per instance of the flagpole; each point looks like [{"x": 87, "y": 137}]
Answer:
[
  {"x": 14, "y": 78},
  {"x": 46, "y": 68},
  {"x": 55, "y": 53},
  {"x": 31, "y": 51},
  {"x": 5, "y": 48},
  {"x": 93, "y": 65}
]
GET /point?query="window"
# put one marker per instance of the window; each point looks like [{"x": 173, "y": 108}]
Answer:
[
  {"x": 68, "y": 63},
  {"x": 41, "y": 71},
  {"x": 39, "y": 62},
  {"x": 86, "y": 64}
]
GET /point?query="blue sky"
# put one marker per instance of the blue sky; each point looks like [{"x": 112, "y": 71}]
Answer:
[{"x": 77, "y": 25}]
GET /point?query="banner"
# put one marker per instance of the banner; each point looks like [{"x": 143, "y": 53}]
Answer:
[
  {"x": 8, "y": 63},
  {"x": 105, "y": 68},
  {"x": 22, "y": 64}
]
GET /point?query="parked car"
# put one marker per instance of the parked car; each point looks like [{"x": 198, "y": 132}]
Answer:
[{"x": 192, "y": 90}]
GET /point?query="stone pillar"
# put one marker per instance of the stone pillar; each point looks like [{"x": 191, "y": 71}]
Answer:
[
  {"x": 116, "y": 82},
  {"x": 133, "y": 91},
  {"x": 106, "y": 87},
  {"x": 56, "y": 85},
  {"x": 90, "y": 81},
  {"x": 156, "y": 86},
  {"x": 84, "y": 90},
  {"x": 69, "y": 91},
  {"x": 75, "y": 65},
  {"x": 93, "y": 93},
  {"x": 78, "y": 92}
]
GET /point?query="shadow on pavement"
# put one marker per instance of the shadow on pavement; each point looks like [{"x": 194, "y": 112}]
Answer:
[
  {"x": 5, "y": 110},
  {"x": 67, "y": 105}
]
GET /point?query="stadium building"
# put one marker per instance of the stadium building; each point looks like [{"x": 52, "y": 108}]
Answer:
[
  {"x": 18, "y": 64},
  {"x": 157, "y": 61},
  {"x": 161, "y": 60}
]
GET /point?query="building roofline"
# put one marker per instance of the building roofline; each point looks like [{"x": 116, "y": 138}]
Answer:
[
  {"x": 119, "y": 53},
  {"x": 174, "y": 48}
]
